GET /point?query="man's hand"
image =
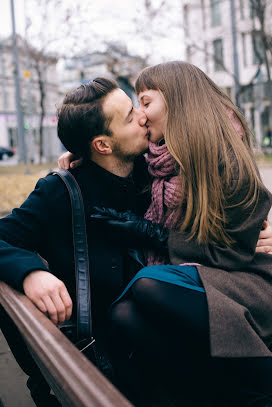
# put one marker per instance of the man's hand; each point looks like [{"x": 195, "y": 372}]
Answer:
[
  {"x": 131, "y": 229},
  {"x": 264, "y": 244},
  {"x": 67, "y": 160},
  {"x": 49, "y": 294}
]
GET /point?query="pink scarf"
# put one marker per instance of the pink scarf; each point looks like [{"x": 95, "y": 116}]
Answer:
[{"x": 166, "y": 191}]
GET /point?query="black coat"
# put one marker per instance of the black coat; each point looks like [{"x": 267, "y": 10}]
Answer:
[{"x": 43, "y": 225}]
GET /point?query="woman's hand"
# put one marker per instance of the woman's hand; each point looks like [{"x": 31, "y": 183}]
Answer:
[
  {"x": 67, "y": 160},
  {"x": 264, "y": 244}
]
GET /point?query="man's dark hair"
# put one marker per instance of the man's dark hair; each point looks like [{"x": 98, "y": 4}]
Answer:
[{"x": 81, "y": 116}]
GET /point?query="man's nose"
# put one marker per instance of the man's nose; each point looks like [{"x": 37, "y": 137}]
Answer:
[{"x": 142, "y": 118}]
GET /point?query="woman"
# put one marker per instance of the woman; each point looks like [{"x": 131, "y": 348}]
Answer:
[{"x": 213, "y": 201}]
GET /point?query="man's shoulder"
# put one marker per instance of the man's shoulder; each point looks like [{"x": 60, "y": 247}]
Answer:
[{"x": 52, "y": 187}]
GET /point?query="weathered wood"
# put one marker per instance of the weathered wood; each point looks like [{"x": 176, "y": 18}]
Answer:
[{"x": 75, "y": 381}]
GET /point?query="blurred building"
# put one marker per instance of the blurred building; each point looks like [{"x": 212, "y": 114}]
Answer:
[
  {"x": 114, "y": 63},
  {"x": 30, "y": 100},
  {"x": 209, "y": 45}
]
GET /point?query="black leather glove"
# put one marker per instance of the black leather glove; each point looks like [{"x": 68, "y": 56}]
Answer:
[{"x": 131, "y": 228}]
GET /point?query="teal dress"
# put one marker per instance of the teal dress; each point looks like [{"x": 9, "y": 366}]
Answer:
[{"x": 185, "y": 276}]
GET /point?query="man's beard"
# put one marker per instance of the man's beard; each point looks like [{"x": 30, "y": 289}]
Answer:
[{"x": 123, "y": 155}]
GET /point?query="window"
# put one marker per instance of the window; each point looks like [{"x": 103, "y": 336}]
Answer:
[
  {"x": 258, "y": 48},
  {"x": 228, "y": 91},
  {"x": 242, "y": 11},
  {"x": 188, "y": 53},
  {"x": 247, "y": 94},
  {"x": 206, "y": 57},
  {"x": 252, "y": 11},
  {"x": 265, "y": 127},
  {"x": 244, "y": 49},
  {"x": 215, "y": 12},
  {"x": 266, "y": 91},
  {"x": 218, "y": 55},
  {"x": 12, "y": 135},
  {"x": 252, "y": 117},
  {"x": 185, "y": 17},
  {"x": 203, "y": 15}
]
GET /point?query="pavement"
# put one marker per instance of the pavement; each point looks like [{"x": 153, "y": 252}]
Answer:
[{"x": 13, "y": 391}]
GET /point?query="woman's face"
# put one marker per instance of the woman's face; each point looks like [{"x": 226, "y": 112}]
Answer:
[{"x": 153, "y": 105}]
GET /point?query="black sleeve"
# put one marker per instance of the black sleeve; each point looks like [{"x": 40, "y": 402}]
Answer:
[
  {"x": 242, "y": 227},
  {"x": 21, "y": 237}
]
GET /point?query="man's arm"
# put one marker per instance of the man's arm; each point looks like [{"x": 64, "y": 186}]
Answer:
[{"x": 22, "y": 235}]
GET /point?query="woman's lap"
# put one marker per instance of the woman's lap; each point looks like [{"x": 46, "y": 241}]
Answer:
[
  {"x": 172, "y": 300},
  {"x": 183, "y": 276}
]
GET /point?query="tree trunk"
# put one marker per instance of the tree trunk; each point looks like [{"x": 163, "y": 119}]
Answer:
[
  {"x": 269, "y": 81},
  {"x": 42, "y": 107},
  {"x": 260, "y": 11}
]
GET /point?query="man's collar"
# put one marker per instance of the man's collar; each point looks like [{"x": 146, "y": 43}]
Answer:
[{"x": 99, "y": 171}]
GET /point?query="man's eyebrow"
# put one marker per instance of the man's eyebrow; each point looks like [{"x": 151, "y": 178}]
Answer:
[{"x": 129, "y": 112}]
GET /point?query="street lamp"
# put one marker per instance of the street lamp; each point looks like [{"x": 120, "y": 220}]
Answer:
[{"x": 19, "y": 112}]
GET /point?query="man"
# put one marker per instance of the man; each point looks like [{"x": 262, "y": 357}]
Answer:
[{"x": 99, "y": 122}]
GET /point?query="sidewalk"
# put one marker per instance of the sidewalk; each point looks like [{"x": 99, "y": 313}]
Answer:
[{"x": 13, "y": 391}]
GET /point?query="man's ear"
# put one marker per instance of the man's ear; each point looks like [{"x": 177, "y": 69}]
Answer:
[{"x": 102, "y": 145}]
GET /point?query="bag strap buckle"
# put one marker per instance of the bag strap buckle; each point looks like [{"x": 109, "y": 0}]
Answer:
[{"x": 85, "y": 344}]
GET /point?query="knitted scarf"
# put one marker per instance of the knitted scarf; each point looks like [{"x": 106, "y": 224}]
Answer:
[{"x": 165, "y": 194}]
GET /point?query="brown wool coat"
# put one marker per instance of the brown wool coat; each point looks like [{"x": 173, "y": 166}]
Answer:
[{"x": 237, "y": 281}]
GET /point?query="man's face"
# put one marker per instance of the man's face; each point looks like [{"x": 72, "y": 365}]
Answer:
[{"x": 129, "y": 133}]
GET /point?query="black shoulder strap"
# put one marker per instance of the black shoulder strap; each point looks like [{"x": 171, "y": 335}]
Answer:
[{"x": 84, "y": 315}]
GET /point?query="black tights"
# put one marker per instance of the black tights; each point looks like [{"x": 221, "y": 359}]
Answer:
[{"x": 171, "y": 324}]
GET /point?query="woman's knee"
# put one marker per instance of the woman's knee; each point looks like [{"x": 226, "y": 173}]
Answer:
[
  {"x": 121, "y": 313},
  {"x": 143, "y": 287}
]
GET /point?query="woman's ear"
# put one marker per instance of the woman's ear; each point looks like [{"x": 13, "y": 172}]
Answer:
[{"x": 102, "y": 145}]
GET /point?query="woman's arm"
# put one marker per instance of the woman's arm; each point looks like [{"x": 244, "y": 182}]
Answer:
[
  {"x": 136, "y": 232},
  {"x": 67, "y": 160},
  {"x": 243, "y": 228}
]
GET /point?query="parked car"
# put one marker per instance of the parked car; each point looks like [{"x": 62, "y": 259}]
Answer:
[{"x": 5, "y": 153}]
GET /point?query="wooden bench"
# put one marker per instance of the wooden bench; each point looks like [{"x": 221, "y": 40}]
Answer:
[{"x": 76, "y": 382}]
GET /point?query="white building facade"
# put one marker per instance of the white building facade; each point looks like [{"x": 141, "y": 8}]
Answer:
[
  {"x": 209, "y": 45},
  {"x": 30, "y": 101}
]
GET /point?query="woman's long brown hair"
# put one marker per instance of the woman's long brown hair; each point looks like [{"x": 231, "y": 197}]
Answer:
[{"x": 214, "y": 160}]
